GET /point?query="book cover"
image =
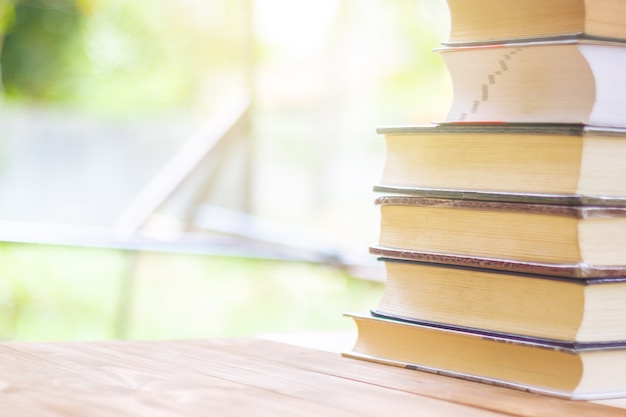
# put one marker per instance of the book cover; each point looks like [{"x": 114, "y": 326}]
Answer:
[{"x": 563, "y": 270}]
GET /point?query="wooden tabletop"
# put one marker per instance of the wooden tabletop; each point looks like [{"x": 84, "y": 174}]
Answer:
[{"x": 242, "y": 377}]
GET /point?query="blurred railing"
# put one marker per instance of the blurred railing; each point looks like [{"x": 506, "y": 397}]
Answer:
[{"x": 199, "y": 202}]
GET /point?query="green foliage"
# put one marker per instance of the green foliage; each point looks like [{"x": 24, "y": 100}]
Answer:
[
  {"x": 124, "y": 57},
  {"x": 185, "y": 296},
  {"x": 64, "y": 293},
  {"x": 41, "y": 52},
  {"x": 119, "y": 56},
  {"x": 55, "y": 292},
  {"x": 7, "y": 17}
]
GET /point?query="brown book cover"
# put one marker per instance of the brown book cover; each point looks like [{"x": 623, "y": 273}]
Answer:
[
  {"x": 576, "y": 211},
  {"x": 578, "y": 270},
  {"x": 520, "y": 237}
]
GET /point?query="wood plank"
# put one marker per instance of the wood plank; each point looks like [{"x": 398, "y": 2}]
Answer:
[
  {"x": 335, "y": 393},
  {"x": 167, "y": 379},
  {"x": 488, "y": 397},
  {"x": 87, "y": 379}
]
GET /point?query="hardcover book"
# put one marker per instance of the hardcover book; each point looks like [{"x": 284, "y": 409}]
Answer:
[
  {"x": 571, "y": 241},
  {"x": 549, "y": 163},
  {"x": 475, "y": 21},
  {"x": 536, "y": 306},
  {"x": 592, "y": 371},
  {"x": 568, "y": 81}
]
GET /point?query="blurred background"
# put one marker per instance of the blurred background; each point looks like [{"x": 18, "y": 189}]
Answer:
[{"x": 200, "y": 168}]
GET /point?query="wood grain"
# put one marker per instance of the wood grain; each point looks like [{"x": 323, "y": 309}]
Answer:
[
  {"x": 251, "y": 377},
  {"x": 488, "y": 397}
]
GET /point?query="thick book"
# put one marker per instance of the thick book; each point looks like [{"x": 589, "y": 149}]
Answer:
[
  {"x": 550, "y": 163},
  {"x": 567, "y": 81},
  {"x": 583, "y": 372},
  {"x": 561, "y": 240},
  {"x": 475, "y": 21},
  {"x": 512, "y": 304}
]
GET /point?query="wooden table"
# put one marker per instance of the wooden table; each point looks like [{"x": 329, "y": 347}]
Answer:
[{"x": 242, "y": 377}]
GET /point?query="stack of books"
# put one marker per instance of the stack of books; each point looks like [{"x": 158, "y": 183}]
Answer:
[{"x": 503, "y": 228}]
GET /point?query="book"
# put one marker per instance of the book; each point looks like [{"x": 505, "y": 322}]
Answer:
[
  {"x": 550, "y": 163},
  {"x": 561, "y": 240},
  {"x": 499, "y": 20},
  {"x": 566, "y": 81},
  {"x": 524, "y": 305},
  {"x": 583, "y": 372}
]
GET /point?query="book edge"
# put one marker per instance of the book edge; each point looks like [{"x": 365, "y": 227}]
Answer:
[
  {"x": 574, "y": 271},
  {"x": 569, "y": 346},
  {"x": 566, "y": 129},
  {"x": 484, "y": 380},
  {"x": 572, "y": 37},
  {"x": 585, "y": 281},
  {"x": 578, "y": 210},
  {"x": 530, "y": 41},
  {"x": 502, "y": 197},
  {"x": 450, "y": 127}
]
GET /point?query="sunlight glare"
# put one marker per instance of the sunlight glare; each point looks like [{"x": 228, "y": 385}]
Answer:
[{"x": 295, "y": 28}]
